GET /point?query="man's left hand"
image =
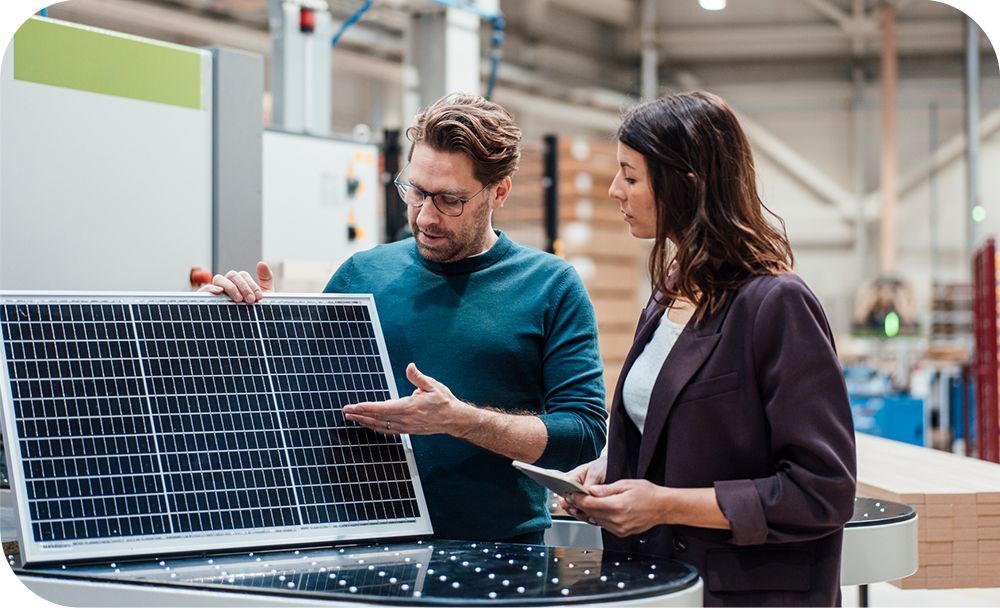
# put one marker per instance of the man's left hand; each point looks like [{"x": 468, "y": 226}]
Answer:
[
  {"x": 431, "y": 409},
  {"x": 624, "y": 508}
]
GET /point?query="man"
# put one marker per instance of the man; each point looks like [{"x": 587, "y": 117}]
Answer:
[{"x": 510, "y": 329}]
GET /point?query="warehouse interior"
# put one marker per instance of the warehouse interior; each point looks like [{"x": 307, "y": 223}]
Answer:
[{"x": 875, "y": 127}]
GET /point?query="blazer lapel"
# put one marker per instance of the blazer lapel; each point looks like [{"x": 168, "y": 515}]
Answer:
[{"x": 689, "y": 353}]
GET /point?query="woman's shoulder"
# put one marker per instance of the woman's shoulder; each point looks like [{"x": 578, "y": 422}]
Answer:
[{"x": 758, "y": 288}]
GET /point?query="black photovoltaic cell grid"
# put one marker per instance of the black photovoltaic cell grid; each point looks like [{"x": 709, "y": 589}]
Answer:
[{"x": 193, "y": 416}]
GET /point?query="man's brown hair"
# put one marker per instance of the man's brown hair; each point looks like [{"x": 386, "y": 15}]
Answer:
[{"x": 481, "y": 129}]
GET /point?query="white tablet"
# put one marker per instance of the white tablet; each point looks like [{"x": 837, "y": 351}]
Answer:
[{"x": 557, "y": 481}]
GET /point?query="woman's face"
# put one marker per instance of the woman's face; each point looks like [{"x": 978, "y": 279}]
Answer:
[{"x": 634, "y": 193}]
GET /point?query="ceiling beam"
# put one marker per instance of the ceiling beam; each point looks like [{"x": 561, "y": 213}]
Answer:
[
  {"x": 833, "y": 13},
  {"x": 804, "y": 40},
  {"x": 947, "y": 153},
  {"x": 615, "y": 12}
]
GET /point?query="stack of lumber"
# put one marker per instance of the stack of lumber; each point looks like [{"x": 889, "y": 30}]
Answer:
[
  {"x": 592, "y": 236},
  {"x": 958, "y": 504},
  {"x": 597, "y": 241}
]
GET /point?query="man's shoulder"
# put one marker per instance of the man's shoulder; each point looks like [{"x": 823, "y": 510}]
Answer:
[
  {"x": 366, "y": 270},
  {"x": 538, "y": 259},
  {"x": 384, "y": 252}
]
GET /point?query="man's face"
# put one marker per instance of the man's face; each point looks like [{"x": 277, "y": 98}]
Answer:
[{"x": 441, "y": 238}]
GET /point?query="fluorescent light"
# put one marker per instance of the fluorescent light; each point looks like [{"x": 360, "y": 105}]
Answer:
[{"x": 712, "y": 5}]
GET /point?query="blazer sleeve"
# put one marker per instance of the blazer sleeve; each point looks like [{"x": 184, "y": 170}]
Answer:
[{"x": 801, "y": 386}]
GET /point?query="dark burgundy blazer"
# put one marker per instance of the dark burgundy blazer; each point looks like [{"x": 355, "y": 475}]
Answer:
[{"x": 751, "y": 401}]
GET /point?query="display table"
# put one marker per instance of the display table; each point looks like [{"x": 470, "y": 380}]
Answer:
[
  {"x": 880, "y": 544},
  {"x": 423, "y": 573}
]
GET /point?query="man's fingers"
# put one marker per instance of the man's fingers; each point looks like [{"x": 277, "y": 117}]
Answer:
[
  {"x": 241, "y": 285},
  {"x": 419, "y": 379},
  {"x": 229, "y": 287},
  {"x": 264, "y": 277},
  {"x": 258, "y": 293},
  {"x": 247, "y": 285},
  {"x": 374, "y": 424},
  {"x": 378, "y": 409}
]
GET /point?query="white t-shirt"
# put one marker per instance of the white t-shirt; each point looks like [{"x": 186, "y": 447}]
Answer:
[{"x": 638, "y": 385}]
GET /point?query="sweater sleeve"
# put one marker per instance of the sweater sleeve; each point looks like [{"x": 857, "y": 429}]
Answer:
[
  {"x": 811, "y": 492},
  {"x": 574, "y": 413}
]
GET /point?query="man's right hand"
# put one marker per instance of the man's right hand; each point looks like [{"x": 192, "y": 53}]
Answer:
[{"x": 240, "y": 286}]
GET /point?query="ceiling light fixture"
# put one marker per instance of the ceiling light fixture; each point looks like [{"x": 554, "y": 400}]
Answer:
[{"x": 712, "y": 5}]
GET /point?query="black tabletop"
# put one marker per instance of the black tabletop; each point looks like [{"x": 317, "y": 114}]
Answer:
[
  {"x": 877, "y": 512},
  {"x": 419, "y": 572}
]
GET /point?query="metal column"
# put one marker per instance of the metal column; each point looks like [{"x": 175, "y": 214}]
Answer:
[
  {"x": 395, "y": 209},
  {"x": 442, "y": 56},
  {"x": 301, "y": 34},
  {"x": 550, "y": 193},
  {"x": 971, "y": 130},
  {"x": 237, "y": 125},
  {"x": 649, "y": 76}
]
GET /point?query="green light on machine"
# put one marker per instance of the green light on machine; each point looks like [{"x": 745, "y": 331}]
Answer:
[
  {"x": 891, "y": 325},
  {"x": 978, "y": 213}
]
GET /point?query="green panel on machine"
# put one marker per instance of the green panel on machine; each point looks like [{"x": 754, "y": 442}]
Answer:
[{"x": 76, "y": 57}]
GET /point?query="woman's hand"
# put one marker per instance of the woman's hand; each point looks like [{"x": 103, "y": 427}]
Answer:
[
  {"x": 624, "y": 508},
  {"x": 587, "y": 474},
  {"x": 590, "y": 473}
]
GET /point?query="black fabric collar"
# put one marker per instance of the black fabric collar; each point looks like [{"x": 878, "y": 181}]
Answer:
[{"x": 470, "y": 264}]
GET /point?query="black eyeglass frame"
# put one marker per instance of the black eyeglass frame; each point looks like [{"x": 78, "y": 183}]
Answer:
[{"x": 402, "y": 189}]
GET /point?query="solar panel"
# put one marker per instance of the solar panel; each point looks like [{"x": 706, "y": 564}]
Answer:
[{"x": 139, "y": 424}]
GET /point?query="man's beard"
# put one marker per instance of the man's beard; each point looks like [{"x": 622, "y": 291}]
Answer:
[{"x": 454, "y": 246}]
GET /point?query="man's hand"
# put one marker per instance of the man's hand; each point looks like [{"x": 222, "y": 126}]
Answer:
[
  {"x": 431, "y": 409},
  {"x": 240, "y": 286},
  {"x": 624, "y": 508}
]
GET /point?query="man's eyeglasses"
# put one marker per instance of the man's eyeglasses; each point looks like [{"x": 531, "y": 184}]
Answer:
[{"x": 448, "y": 204}]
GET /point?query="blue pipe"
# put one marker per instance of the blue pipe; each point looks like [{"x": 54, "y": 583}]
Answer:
[
  {"x": 43, "y": 13},
  {"x": 351, "y": 21},
  {"x": 496, "y": 54}
]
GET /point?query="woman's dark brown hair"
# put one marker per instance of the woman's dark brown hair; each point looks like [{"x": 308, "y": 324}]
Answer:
[{"x": 704, "y": 183}]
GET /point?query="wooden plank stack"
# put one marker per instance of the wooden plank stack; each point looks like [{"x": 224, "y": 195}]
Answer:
[
  {"x": 592, "y": 235},
  {"x": 958, "y": 504}
]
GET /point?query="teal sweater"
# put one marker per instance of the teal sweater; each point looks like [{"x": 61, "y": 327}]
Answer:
[{"x": 512, "y": 328}]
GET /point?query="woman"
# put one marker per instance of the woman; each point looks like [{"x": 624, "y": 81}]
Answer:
[{"x": 730, "y": 445}]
